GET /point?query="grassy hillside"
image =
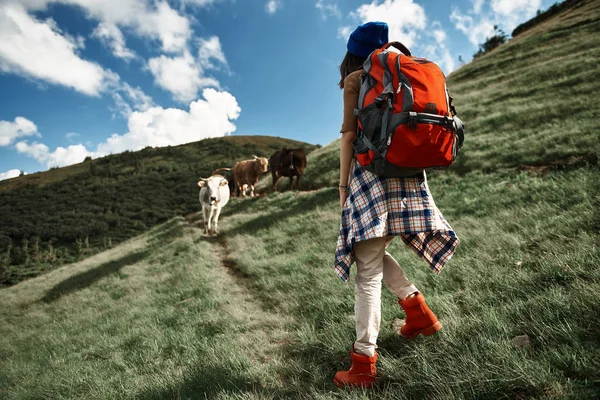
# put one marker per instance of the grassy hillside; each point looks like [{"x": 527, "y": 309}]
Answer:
[
  {"x": 258, "y": 312},
  {"x": 64, "y": 215},
  {"x": 532, "y": 100},
  {"x": 322, "y": 170}
]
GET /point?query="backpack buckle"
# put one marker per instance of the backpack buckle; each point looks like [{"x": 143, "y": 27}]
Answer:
[
  {"x": 412, "y": 120},
  {"x": 449, "y": 123},
  {"x": 385, "y": 99}
]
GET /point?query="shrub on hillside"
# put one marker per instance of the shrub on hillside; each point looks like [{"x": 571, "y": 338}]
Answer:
[{"x": 492, "y": 42}]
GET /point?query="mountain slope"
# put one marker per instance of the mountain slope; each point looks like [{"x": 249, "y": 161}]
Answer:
[
  {"x": 66, "y": 214},
  {"x": 258, "y": 312},
  {"x": 532, "y": 101}
]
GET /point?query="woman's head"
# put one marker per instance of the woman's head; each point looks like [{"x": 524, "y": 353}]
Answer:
[
  {"x": 366, "y": 38},
  {"x": 349, "y": 64}
]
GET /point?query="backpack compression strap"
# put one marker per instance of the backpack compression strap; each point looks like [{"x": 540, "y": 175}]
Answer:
[{"x": 412, "y": 119}]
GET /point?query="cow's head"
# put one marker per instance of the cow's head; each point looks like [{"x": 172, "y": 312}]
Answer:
[
  {"x": 287, "y": 156},
  {"x": 262, "y": 164},
  {"x": 212, "y": 185}
]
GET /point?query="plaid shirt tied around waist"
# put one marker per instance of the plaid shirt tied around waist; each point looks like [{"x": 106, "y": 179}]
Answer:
[{"x": 378, "y": 207}]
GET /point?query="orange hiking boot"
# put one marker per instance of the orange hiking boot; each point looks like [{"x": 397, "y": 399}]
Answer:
[
  {"x": 362, "y": 373},
  {"x": 419, "y": 318}
]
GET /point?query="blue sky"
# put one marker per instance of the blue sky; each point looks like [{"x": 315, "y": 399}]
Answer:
[{"x": 94, "y": 77}]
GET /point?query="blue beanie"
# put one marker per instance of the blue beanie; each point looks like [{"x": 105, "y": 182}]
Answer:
[{"x": 368, "y": 37}]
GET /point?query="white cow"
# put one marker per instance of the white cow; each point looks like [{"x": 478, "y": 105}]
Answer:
[{"x": 214, "y": 194}]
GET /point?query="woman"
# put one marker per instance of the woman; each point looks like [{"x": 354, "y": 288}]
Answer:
[{"x": 374, "y": 210}]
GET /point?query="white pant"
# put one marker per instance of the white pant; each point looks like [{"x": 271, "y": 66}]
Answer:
[{"x": 374, "y": 263}]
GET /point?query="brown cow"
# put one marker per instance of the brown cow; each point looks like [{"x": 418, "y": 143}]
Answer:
[
  {"x": 247, "y": 172},
  {"x": 290, "y": 163}
]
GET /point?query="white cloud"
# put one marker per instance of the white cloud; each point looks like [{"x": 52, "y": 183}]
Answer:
[
  {"x": 514, "y": 8},
  {"x": 137, "y": 100},
  {"x": 37, "y": 49},
  {"x": 112, "y": 37},
  {"x": 442, "y": 56},
  {"x": 165, "y": 24},
  {"x": 476, "y": 31},
  {"x": 208, "y": 117},
  {"x": 199, "y": 3},
  {"x": 38, "y": 151},
  {"x": 477, "y": 5},
  {"x": 328, "y": 9},
  {"x": 478, "y": 24},
  {"x": 21, "y": 127},
  {"x": 13, "y": 173},
  {"x": 182, "y": 76},
  {"x": 121, "y": 106},
  {"x": 272, "y": 6},
  {"x": 63, "y": 156},
  {"x": 211, "y": 116},
  {"x": 437, "y": 49},
  {"x": 440, "y": 35},
  {"x": 510, "y": 13},
  {"x": 210, "y": 49},
  {"x": 60, "y": 157},
  {"x": 344, "y": 32},
  {"x": 141, "y": 101},
  {"x": 405, "y": 18},
  {"x": 71, "y": 136},
  {"x": 154, "y": 19},
  {"x": 407, "y": 24}
]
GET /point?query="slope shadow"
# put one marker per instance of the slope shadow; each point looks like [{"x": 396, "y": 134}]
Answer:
[
  {"x": 213, "y": 382},
  {"x": 242, "y": 205},
  {"x": 88, "y": 278},
  {"x": 254, "y": 225}
]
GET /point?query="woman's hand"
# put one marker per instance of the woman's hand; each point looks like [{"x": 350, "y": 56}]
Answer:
[
  {"x": 343, "y": 197},
  {"x": 346, "y": 152}
]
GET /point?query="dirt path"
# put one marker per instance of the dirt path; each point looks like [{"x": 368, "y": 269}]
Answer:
[{"x": 264, "y": 330}]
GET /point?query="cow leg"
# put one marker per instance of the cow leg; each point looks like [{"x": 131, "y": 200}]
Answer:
[
  {"x": 216, "y": 220},
  {"x": 251, "y": 190},
  {"x": 211, "y": 221},
  {"x": 298, "y": 182},
  {"x": 276, "y": 182},
  {"x": 292, "y": 182},
  {"x": 206, "y": 215}
]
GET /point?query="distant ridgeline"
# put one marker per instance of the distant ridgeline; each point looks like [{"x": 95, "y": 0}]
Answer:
[
  {"x": 543, "y": 16},
  {"x": 63, "y": 215}
]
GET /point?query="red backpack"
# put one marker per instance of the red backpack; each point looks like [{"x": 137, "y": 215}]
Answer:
[{"x": 405, "y": 116}]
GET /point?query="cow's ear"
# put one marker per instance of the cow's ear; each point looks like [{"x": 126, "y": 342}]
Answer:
[
  {"x": 202, "y": 182},
  {"x": 224, "y": 183}
]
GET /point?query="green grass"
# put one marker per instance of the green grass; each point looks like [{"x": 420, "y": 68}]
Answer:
[
  {"x": 322, "y": 170},
  {"x": 86, "y": 208},
  {"x": 141, "y": 321},
  {"x": 258, "y": 312},
  {"x": 528, "y": 264},
  {"x": 532, "y": 100}
]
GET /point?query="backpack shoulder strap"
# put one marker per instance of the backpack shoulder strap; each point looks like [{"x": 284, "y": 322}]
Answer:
[{"x": 399, "y": 46}]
